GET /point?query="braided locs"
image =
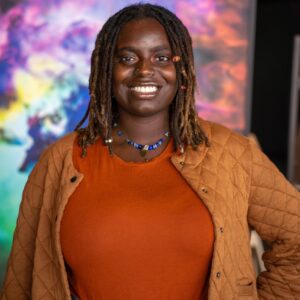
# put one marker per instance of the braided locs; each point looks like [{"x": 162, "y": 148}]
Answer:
[{"x": 101, "y": 111}]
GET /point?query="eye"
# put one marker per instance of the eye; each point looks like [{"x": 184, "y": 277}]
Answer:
[
  {"x": 127, "y": 59},
  {"x": 162, "y": 58}
]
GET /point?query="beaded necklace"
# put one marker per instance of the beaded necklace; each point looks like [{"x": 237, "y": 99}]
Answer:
[{"x": 143, "y": 149}]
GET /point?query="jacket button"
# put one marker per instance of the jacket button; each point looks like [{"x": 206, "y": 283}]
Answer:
[
  {"x": 204, "y": 190},
  {"x": 182, "y": 163},
  {"x": 73, "y": 179},
  {"x": 221, "y": 229},
  {"x": 218, "y": 274}
]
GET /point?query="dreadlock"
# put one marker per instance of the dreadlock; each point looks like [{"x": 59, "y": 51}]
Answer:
[{"x": 101, "y": 112}]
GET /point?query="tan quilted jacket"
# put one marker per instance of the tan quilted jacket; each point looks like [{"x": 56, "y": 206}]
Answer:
[{"x": 240, "y": 187}]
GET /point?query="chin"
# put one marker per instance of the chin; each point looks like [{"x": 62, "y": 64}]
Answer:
[
  {"x": 148, "y": 112},
  {"x": 145, "y": 113}
]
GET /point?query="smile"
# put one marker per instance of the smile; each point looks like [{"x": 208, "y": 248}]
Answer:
[{"x": 145, "y": 89}]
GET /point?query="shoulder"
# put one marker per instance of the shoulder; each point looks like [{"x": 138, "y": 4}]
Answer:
[
  {"x": 220, "y": 136},
  {"x": 224, "y": 146},
  {"x": 54, "y": 158},
  {"x": 227, "y": 145},
  {"x": 60, "y": 148},
  {"x": 65, "y": 143}
]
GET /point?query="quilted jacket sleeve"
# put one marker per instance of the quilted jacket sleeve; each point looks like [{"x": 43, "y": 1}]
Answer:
[
  {"x": 274, "y": 212},
  {"x": 18, "y": 280}
]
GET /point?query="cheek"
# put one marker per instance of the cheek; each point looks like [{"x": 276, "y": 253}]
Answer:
[
  {"x": 170, "y": 75},
  {"x": 119, "y": 76}
]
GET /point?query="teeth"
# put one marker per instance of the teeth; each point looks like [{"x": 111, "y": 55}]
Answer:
[{"x": 144, "y": 89}]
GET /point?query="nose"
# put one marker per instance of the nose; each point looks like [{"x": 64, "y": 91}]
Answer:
[{"x": 144, "y": 68}]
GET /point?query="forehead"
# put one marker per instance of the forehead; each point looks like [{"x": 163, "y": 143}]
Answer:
[{"x": 143, "y": 33}]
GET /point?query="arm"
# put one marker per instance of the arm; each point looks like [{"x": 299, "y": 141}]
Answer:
[
  {"x": 274, "y": 212},
  {"x": 18, "y": 280}
]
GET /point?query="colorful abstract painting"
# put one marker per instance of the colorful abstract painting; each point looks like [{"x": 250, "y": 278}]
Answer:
[{"x": 45, "y": 49}]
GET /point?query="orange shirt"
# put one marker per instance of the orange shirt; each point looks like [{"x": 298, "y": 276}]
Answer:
[{"x": 135, "y": 231}]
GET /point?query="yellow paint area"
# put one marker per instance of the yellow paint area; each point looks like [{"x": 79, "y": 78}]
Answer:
[
  {"x": 31, "y": 86},
  {"x": 46, "y": 65}
]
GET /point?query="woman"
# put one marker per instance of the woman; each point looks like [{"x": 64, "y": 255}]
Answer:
[{"x": 148, "y": 201}]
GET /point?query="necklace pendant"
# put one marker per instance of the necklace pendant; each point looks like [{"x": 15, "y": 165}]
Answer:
[{"x": 144, "y": 150}]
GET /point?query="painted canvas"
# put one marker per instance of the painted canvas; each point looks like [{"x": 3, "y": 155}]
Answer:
[{"x": 45, "y": 49}]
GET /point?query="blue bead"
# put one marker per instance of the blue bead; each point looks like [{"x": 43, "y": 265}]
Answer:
[{"x": 140, "y": 146}]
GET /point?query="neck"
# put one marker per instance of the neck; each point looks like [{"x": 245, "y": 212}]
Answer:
[{"x": 144, "y": 130}]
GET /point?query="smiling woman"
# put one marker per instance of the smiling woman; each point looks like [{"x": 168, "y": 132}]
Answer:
[
  {"x": 148, "y": 201},
  {"x": 144, "y": 86}
]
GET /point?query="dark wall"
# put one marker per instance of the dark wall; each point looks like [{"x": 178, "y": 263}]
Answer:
[{"x": 276, "y": 24}]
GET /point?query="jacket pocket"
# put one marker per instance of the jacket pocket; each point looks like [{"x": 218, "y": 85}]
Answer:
[{"x": 245, "y": 287}]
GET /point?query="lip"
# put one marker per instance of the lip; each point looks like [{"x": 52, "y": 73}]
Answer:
[{"x": 144, "y": 83}]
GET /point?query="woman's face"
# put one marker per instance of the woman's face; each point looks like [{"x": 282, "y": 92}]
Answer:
[{"x": 144, "y": 75}]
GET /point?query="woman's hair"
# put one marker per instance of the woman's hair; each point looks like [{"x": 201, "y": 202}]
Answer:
[{"x": 102, "y": 110}]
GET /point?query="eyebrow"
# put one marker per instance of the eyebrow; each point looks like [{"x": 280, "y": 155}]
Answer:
[{"x": 133, "y": 49}]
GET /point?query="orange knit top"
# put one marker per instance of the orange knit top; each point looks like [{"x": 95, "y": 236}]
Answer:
[{"x": 135, "y": 231}]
